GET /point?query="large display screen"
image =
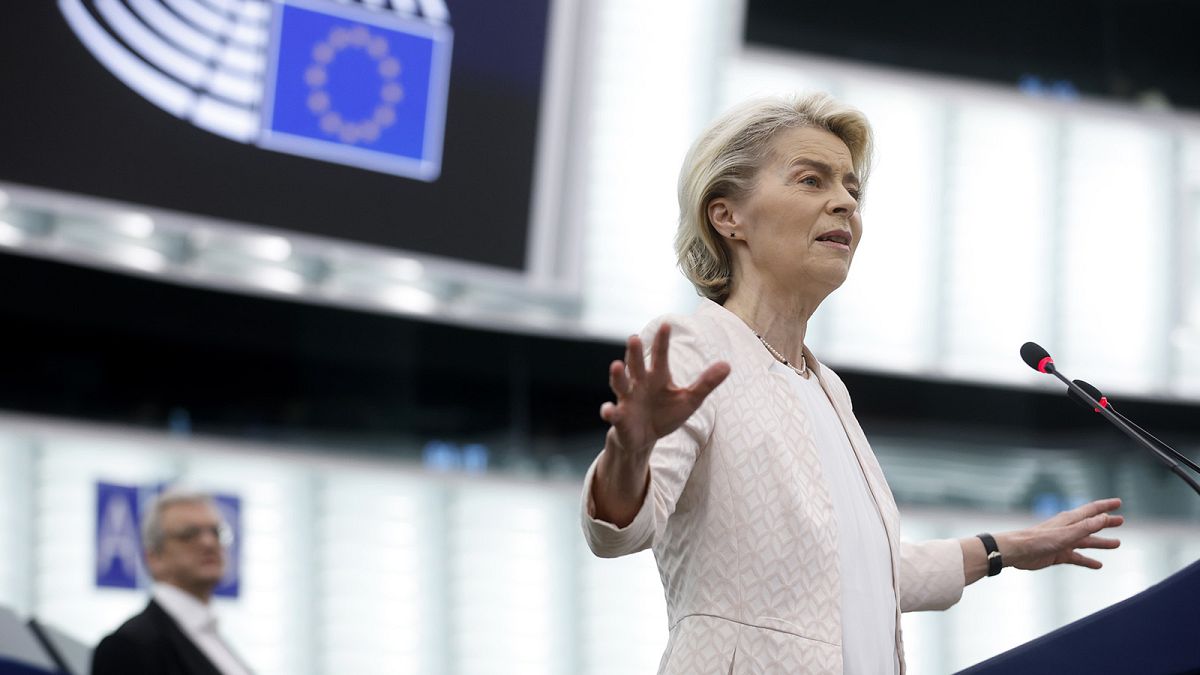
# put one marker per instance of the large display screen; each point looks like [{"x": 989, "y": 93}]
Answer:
[{"x": 407, "y": 124}]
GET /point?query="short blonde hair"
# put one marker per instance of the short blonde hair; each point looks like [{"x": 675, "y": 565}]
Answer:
[{"x": 724, "y": 162}]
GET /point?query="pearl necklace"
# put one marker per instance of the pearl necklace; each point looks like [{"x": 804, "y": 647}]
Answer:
[{"x": 802, "y": 371}]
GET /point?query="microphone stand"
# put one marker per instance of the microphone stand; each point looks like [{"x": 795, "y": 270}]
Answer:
[
  {"x": 1105, "y": 403},
  {"x": 1175, "y": 454},
  {"x": 1120, "y": 424}
]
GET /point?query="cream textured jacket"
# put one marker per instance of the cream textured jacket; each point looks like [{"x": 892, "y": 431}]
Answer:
[{"x": 741, "y": 521}]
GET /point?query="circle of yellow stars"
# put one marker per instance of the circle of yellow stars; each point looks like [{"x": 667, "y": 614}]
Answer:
[{"x": 368, "y": 129}]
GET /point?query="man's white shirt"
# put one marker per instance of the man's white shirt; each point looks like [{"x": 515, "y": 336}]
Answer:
[{"x": 199, "y": 623}]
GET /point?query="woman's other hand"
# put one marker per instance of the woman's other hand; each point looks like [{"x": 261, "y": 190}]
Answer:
[{"x": 1054, "y": 542}]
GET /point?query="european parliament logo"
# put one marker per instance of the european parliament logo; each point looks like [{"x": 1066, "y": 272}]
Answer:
[{"x": 362, "y": 83}]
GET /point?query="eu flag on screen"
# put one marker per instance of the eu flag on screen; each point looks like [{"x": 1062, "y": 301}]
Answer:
[{"x": 357, "y": 87}]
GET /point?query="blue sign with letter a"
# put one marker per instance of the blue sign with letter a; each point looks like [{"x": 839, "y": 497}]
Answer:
[
  {"x": 357, "y": 87},
  {"x": 118, "y": 536},
  {"x": 230, "y": 508}
]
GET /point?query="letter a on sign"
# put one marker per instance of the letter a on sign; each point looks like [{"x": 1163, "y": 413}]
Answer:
[{"x": 118, "y": 543}]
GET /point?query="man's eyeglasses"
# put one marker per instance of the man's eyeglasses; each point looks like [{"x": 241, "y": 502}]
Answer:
[{"x": 222, "y": 533}]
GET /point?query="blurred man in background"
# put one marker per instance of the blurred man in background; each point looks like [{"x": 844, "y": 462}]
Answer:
[{"x": 185, "y": 542}]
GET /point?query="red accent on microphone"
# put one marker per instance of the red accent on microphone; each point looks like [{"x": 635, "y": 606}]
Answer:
[
  {"x": 1042, "y": 364},
  {"x": 1103, "y": 403}
]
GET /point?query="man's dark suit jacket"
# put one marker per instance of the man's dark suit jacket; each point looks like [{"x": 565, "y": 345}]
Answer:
[{"x": 151, "y": 643}]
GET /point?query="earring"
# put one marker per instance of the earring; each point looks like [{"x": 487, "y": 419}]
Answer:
[{"x": 733, "y": 235}]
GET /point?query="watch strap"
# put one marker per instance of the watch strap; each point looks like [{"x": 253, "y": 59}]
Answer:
[{"x": 995, "y": 562}]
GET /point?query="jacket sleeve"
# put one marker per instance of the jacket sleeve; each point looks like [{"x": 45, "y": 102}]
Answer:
[
  {"x": 671, "y": 460},
  {"x": 931, "y": 575}
]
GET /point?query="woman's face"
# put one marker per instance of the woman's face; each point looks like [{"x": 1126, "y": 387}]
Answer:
[{"x": 800, "y": 226}]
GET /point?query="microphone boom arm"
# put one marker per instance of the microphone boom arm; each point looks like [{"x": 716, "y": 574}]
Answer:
[
  {"x": 1120, "y": 424},
  {"x": 1153, "y": 439}
]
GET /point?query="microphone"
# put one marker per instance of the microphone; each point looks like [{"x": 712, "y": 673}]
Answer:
[
  {"x": 1093, "y": 393},
  {"x": 1036, "y": 357},
  {"x": 1104, "y": 403}
]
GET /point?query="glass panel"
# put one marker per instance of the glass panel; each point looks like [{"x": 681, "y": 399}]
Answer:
[
  {"x": 882, "y": 317},
  {"x": 506, "y": 601},
  {"x": 765, "y": 73},
  {"x": 16, "y": 521},
  {"x": 649, "y": 96},
  {"x": 377, "y": 554},
  {"x": 1000, "y": 255},
  {"x": 621, "y": 604},
  {"x": 1185, "y": 337},
  {"x": 1117, "y": 255}
]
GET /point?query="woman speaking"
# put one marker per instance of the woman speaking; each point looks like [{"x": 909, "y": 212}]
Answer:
[{"x": 735, "y": 453}]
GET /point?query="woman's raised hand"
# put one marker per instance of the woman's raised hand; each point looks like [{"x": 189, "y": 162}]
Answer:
[{"x": 649, "y": 405}]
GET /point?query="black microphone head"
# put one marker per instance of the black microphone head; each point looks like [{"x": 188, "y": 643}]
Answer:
[
  {"x": 1037, "y": 358},
  {"x": 1091, "y": 391}
]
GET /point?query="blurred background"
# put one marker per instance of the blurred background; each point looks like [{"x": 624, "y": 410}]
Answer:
[{"x": 385, "y": 341}]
